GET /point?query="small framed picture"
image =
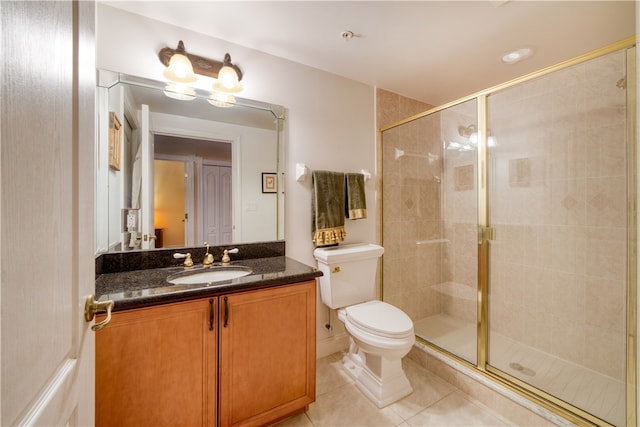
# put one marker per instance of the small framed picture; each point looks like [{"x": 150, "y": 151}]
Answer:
[
  {"x": 269, "y": 182},
  {"x": 114, "y": 141}
]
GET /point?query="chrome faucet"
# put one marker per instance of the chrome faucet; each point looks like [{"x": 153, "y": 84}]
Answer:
[
  {"x": 207, "y": 261},
  {"x": 225, "y": 255}
]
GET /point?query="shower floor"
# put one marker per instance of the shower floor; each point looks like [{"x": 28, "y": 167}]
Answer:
[{"x": 599, "y": 394}]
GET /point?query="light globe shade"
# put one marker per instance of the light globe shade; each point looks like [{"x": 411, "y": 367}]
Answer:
[
  {"x": 222, "y": 100},
  {"x": 180, "y": 69},
  {"x": 227, "y": 80},
  {"x": 180, "y": 92}
]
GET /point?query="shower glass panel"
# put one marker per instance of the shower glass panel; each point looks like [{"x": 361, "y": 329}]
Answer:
[
  {"x": 558, "y": 262},
  {"x": 430, "y": 226}
]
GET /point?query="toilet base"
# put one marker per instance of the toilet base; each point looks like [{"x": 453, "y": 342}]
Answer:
[{"x": 382, "y": 380}]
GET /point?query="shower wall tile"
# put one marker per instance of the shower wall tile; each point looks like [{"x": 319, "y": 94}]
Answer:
[
  {"x": 411, "y": 211},
  {"x": 605, "y": 303},
  {"x": 561, "y": 242},
  {"x": 603, "y": 352},
  {"x": 391, "y": 107}
]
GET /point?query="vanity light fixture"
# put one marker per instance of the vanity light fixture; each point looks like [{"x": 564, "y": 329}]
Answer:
[{"x": 183, "y": 68}]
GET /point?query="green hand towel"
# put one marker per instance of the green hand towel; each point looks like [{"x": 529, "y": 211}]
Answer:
[
  {"x": 356, "y": 205},
  {"x": 327, "y": 207}
]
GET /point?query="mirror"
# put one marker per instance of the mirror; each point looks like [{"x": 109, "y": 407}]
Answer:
[{"x": 175, "y": 173}]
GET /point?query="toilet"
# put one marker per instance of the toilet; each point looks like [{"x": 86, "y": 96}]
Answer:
[{"x": 380, "y": 335}]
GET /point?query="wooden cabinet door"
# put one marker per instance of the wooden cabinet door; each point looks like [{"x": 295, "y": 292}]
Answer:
[
  {"x": 157, "y": 366},
  {"x": 267, "y": 354}
]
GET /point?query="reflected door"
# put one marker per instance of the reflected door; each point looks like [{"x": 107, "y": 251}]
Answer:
[
  {"x": 146, "y": 192},
  {"x": 217, "y": 213}
]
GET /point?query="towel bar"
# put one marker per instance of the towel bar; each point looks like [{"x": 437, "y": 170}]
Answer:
[{"x": 302, "y": 171}]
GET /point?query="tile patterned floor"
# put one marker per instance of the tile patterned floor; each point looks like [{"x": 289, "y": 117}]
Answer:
[{"x": 433, "y": 402}]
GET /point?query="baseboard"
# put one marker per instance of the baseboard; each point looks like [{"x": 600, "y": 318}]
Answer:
[{"x": 333, "y": 344}]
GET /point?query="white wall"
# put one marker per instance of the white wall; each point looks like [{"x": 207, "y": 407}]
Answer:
[{"x": 330, "y": 120}]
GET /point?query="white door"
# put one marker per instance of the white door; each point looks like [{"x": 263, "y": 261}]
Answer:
[
  {"x": 225, "y": 202},
  {"x": 47, "y": 206},
  {"x": 146, "y": 192},
  {"x": 211, "y": 191},
  {"x": 218, "y": 218}
]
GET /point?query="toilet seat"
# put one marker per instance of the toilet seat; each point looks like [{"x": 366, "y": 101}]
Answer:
[{"x": 380, "y": 319}]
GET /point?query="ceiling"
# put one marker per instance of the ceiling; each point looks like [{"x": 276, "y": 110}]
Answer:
[{"x": 432, "y": 51}]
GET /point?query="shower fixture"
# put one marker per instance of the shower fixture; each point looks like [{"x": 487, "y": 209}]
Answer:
[{"x": 471, "y": 133}]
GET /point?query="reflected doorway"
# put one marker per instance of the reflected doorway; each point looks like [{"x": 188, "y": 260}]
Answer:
[
  {"x": 193, "y": 192},
  {"x": 170, "y": 212}
]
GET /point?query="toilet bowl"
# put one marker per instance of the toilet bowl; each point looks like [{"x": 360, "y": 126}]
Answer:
[{"x": 380, "y": 335}]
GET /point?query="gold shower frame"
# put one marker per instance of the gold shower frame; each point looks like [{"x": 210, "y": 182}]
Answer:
[{"x": 485, "y": 233}]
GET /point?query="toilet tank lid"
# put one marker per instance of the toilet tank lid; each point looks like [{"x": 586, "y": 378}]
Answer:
[{"x": 350, "y": 252}]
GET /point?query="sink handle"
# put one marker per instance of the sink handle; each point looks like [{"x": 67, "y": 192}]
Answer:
[
  {"x": 188, "y": 262},
  {"x": 225, "y": 256}
]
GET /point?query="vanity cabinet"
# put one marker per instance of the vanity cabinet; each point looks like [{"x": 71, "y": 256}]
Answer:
[
  {"x": 157, "y": 366},
  {"x": 267, "y": 354},
  {"x": 239, "y": 359}
]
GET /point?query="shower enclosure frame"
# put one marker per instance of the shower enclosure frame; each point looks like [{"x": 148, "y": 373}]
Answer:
[{"x": 486, "y": 234}]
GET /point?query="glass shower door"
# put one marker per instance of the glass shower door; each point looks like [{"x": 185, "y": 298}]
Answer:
[
  {"x": 430, "y": 226},
  {"x": 558, "y": 263}
]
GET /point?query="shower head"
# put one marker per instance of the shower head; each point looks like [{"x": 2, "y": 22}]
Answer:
[{"x": 399, "y": 153}]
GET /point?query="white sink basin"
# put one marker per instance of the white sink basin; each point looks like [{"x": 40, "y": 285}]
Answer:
[{"x": 210, "y": 275}]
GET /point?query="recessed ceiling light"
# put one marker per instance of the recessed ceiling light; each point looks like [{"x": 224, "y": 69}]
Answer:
[{"x": 516, "y": 55}]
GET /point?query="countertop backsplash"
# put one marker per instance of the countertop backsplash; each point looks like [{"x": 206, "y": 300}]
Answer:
[{"x": 118, "y": 262}]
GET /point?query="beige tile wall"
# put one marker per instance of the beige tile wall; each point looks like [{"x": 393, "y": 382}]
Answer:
[
  {"x": 411, "y": 207},
  {"x": 429, "y": 213}
]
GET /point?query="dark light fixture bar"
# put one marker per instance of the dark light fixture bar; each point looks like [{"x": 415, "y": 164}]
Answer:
[{"x": 203, "y": 66}]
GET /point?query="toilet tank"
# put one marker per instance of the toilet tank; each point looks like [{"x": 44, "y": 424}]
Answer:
[{"x": 349, "y": 273}]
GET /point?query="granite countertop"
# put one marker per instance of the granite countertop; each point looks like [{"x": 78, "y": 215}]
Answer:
[{"x": 141, "y": 288}]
